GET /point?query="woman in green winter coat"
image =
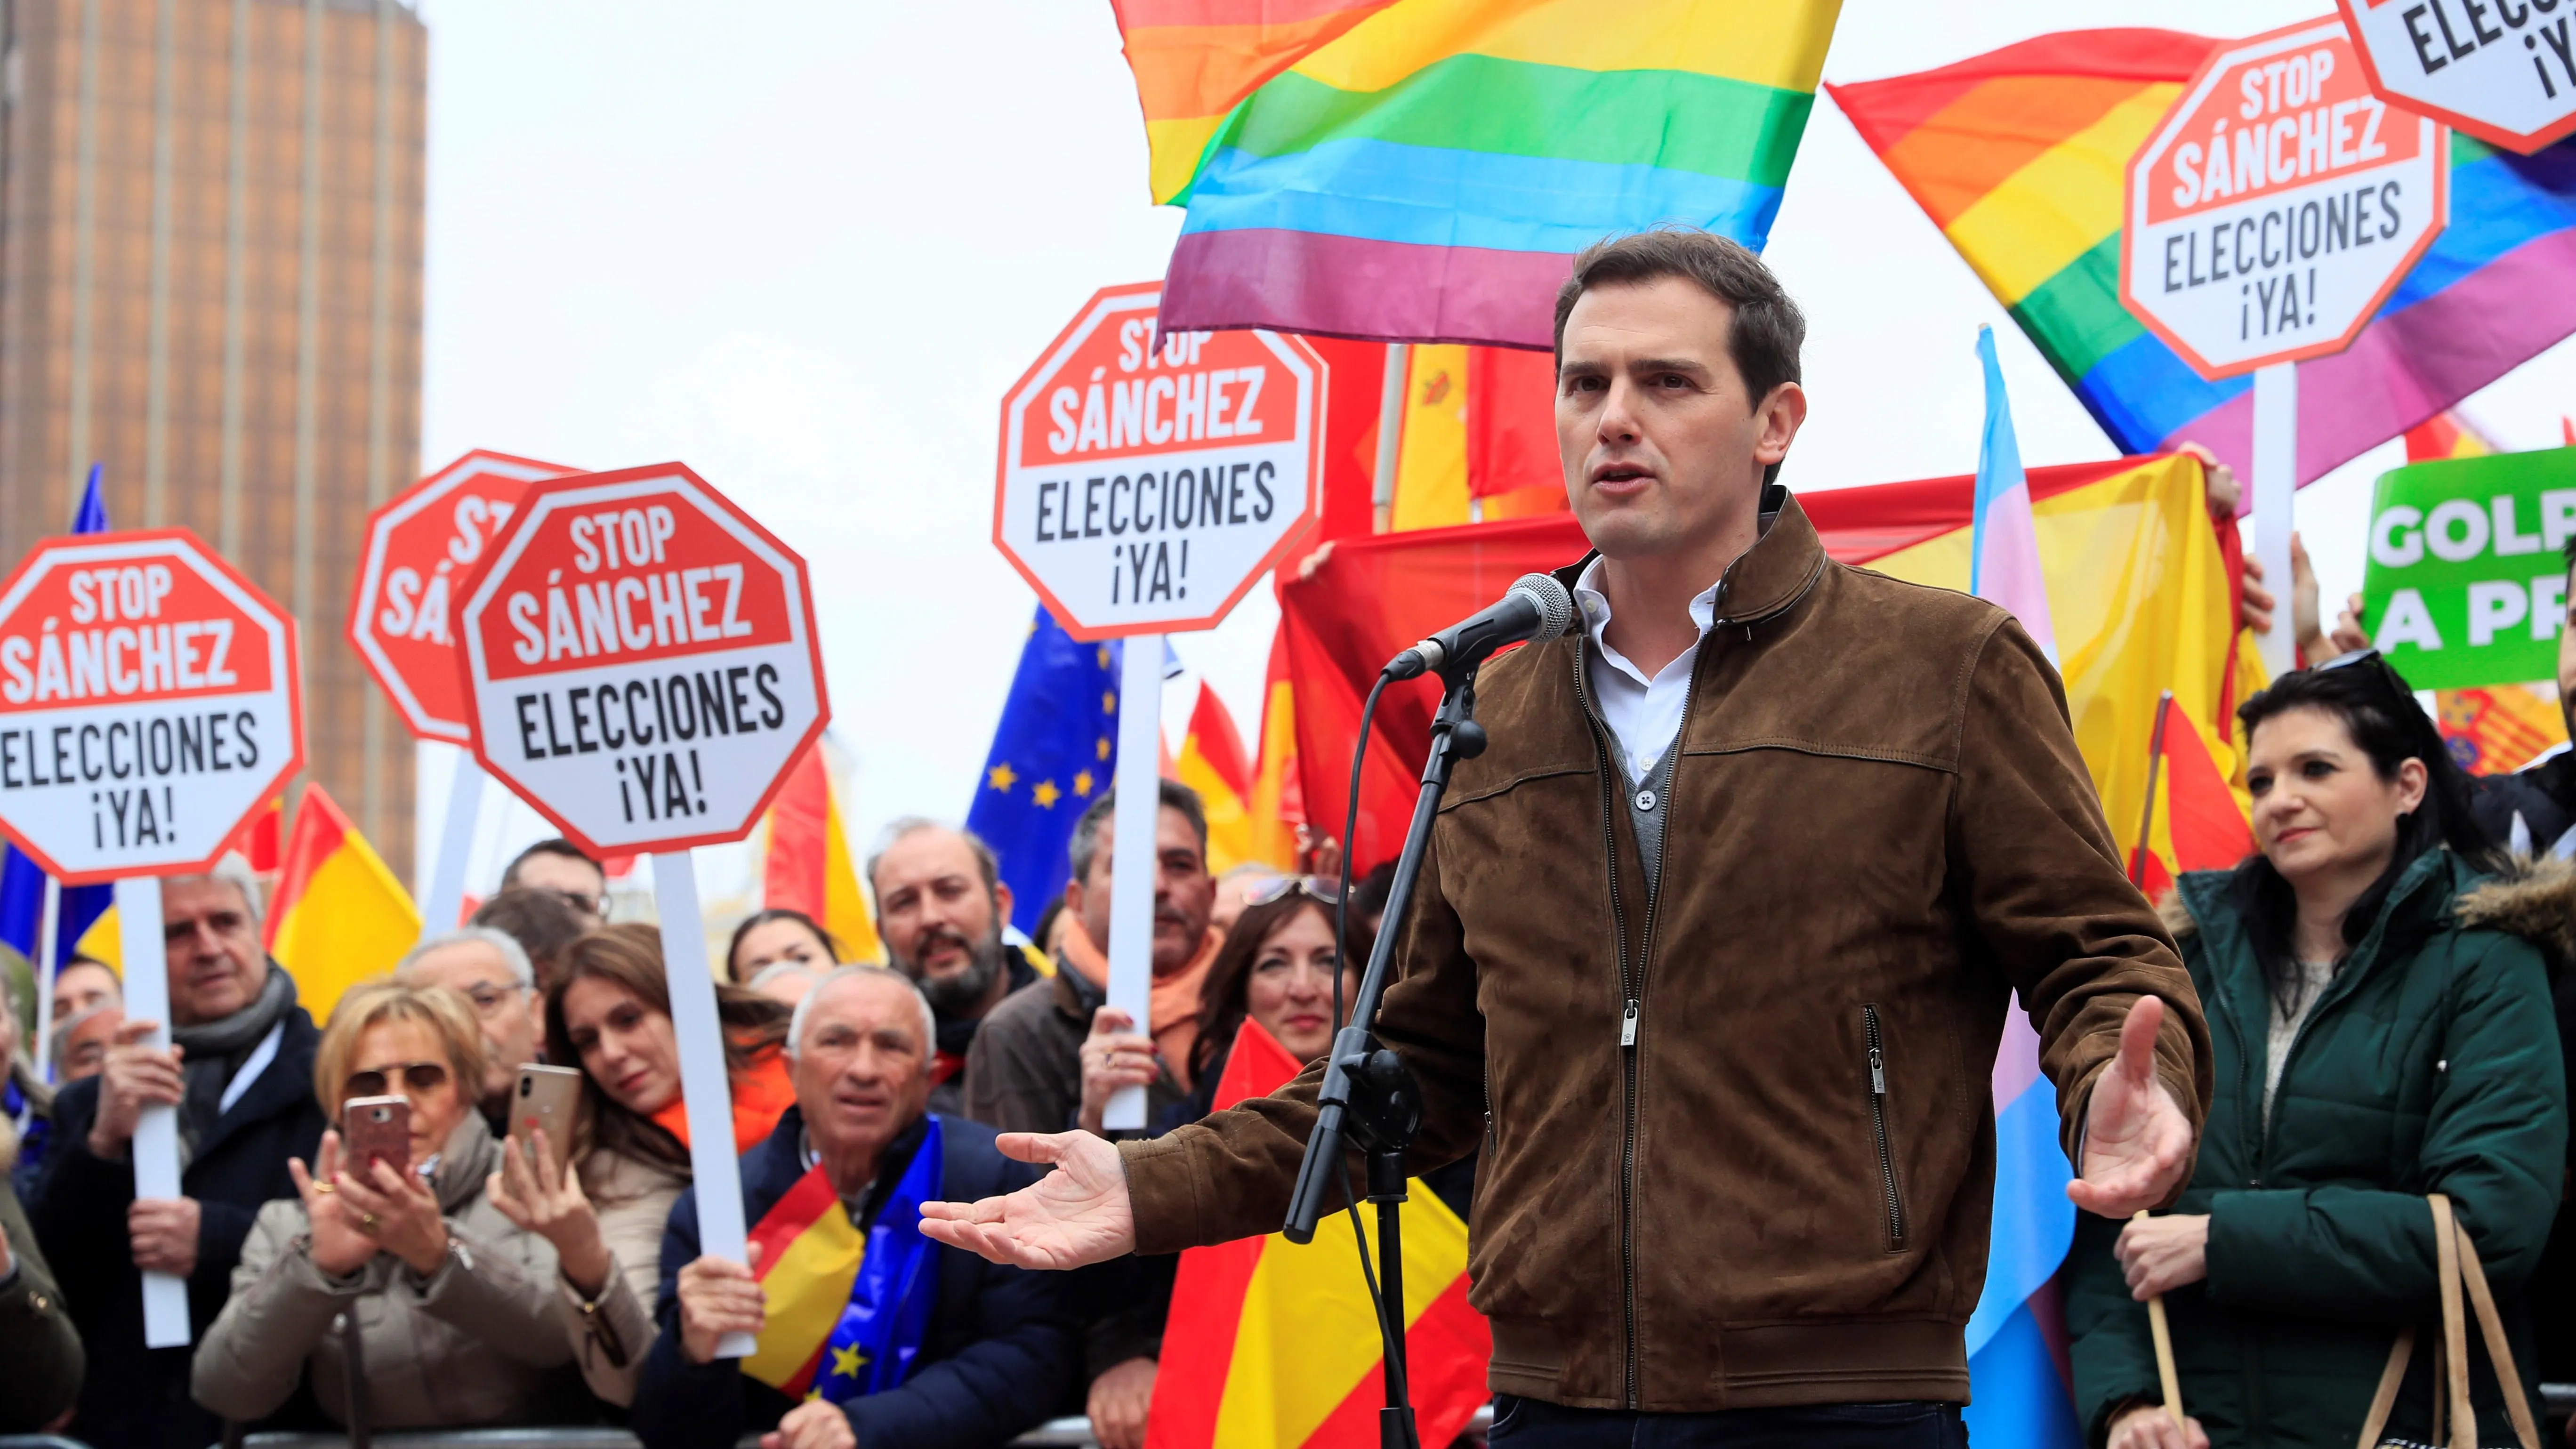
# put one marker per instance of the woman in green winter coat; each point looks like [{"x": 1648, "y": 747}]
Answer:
[{"x": 2380, "y": 1031}]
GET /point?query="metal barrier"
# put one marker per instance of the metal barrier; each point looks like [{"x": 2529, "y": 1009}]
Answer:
[
  {"x": 39, "y": 1441},
  {"x": 1066, "y": 1433}
]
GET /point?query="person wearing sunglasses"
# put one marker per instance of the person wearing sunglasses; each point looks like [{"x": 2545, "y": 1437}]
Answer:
[
  {"x": 455, "y": 1305},
  {"x": 2380, "y": 1030}
]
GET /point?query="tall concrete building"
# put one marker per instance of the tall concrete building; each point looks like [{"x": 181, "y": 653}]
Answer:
[{"x": 210, "y": 282}]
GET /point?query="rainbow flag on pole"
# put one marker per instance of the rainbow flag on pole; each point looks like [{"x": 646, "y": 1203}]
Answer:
[
  {"x": 1194, "y": 59},
  {"x": 2018, "y": 157},
  {"x": 1427, "y": 175}
]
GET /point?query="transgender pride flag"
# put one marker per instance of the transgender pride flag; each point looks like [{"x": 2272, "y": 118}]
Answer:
[
  {"x": 2003, "y": 565},
  {"x": 2017, "y": 1338}
]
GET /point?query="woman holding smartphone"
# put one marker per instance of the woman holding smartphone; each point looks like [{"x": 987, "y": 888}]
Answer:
[
  {"x": 610, "y": 1013},
  {"x": 454, "y": 1304}
]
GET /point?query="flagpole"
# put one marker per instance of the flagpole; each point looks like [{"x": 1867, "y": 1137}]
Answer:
[
  {"x": 2155, "y": 766},
  {"x": 1390, "y": 435},
  {"x": 48, "y": 957},
  {"x": 2276, "y": 486}
]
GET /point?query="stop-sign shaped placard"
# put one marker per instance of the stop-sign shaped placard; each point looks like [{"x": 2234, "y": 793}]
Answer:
[
  {"x": 148, "y": 704},
  {"x": 421, "y": 547},
  {"x": 641, "y": 661},
  {"x": 2278, "y": 204},
  {"x": 1145, "y": 483},
  {"x": 2502, "y": 70}
]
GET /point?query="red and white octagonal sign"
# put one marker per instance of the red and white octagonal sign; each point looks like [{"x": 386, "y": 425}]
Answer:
[
  {"x": 2278, "y": 204},
  {"x": 640, "y": 660},
  {"x": 2502, "y": 70},
  {"x": 421, "y": 547},
  {"x": 1145, "y": 487},
  {"x": 149, "y": 703}
]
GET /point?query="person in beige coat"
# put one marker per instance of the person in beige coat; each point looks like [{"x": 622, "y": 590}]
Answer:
[
  {"x": 605, "y": 1219},
  {"x": 454, "y": 1304}
]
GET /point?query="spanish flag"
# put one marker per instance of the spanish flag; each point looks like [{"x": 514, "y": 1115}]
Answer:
[
  {"x": 2199, "y": 821},
  {"x": 2445, "y": 435},
  {"x": 1211, "y": 762},
  {"x": 1275, "y": 806},
  {"x": 1272, "y": 1346},
  {"x": 809, "y": 865},
  {"x": 848, "y": 1312},
  {"x": 338, "y": 916},
  {"x": 2497, "y": 730}
]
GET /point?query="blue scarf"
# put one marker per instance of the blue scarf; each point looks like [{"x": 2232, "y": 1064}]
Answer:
[{"x": 878, "y": 1339}]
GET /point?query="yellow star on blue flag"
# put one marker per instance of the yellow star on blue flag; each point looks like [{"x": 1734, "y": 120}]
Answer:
[{"x": 1050, "y": 732}]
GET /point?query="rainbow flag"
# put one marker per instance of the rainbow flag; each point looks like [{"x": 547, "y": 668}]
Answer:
[
  {"x": 1194, "y": 59},
  {"x": 1427, "y": 175},
  {"x": 808, "y": 865},
  {"x": 2018, "y": 157},
  {"x": 2445, "y": 435},
  {"x": 1273, "y": 1346},
  {"x": 338, "y": 915}
]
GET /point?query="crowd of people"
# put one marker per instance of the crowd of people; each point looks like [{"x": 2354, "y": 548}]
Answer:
[
  {"x": 484, "y": 1274},
  {"x": 2377, "y": 980}
]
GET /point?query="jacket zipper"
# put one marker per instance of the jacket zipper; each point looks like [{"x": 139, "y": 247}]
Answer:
[
  {"x": 1878, "y": 1125},
  {"x": 1629, "y": 1011}
]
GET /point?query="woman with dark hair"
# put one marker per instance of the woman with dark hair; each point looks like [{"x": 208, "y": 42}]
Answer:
[
  {"x": 780, "y": 953},
  {"x": 2380, "y": 1032},
  {"x": 610, "y": 1014}
]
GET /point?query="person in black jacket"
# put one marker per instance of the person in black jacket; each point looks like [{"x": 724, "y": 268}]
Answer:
[
  {"x": 995, "y": 1356},
  {"x": 240, "y": 1073}
]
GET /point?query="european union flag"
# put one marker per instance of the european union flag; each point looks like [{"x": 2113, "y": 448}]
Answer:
[{"x": 1055, "y": 751}]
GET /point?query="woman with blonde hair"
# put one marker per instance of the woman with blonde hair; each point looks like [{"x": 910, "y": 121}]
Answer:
[
  {"x": 610, "y": 1014},
  {"x": 454, "y": 1305}
]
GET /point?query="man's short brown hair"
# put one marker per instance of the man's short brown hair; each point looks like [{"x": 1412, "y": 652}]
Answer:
[{"x": 1763, "y": 338}]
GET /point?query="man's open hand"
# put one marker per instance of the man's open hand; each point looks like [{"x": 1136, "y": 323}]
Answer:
[
  {"x": 1076, "y": 1215},
  {"x": 2137, "y": 1142}
]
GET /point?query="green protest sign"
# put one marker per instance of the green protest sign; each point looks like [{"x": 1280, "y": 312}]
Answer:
[{"x": 2466, "y": 584}]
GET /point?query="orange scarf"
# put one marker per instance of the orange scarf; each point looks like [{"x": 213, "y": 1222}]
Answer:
[
  {"x": 761, "y": 1095},
  {"x": 1175, "y": 1007}
]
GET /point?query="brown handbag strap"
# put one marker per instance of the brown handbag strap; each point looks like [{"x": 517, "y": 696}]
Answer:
[{"x": 2456, "y": 1261}]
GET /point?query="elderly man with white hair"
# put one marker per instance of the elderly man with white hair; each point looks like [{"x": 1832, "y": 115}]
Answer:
[
  {"x": 240, "y": 1072},
  {"x": 907, "y": 1343},
  {"x": 491, "y": 970}
]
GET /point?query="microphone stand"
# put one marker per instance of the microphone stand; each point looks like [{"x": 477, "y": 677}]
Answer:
[{"x": 1368, "y": 1094}]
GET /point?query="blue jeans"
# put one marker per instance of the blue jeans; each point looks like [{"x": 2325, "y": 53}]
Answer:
[{"x": 1521, "y": 1423}]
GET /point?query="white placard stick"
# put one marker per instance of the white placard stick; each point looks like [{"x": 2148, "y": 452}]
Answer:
[
  {"x": 155, "y": 1149},
  {"x": 2276, "y": 487},
  {"x": 1133, "y": 861},
  {"x": 704, "y": 1083},
  {"x": 455, "y": 845},
  {"x": 48, "y": 951}
]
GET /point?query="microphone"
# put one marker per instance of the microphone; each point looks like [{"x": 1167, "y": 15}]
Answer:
[{"x": 1535, "y": 606}]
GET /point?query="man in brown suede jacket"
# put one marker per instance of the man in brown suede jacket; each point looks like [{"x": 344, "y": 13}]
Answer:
[{"x": 1713, "y": 945}]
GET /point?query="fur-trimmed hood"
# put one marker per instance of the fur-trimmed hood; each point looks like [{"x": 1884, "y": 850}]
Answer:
[{"x": 2534, "y": 899}]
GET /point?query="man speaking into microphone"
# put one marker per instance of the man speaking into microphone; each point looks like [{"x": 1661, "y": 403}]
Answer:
[{"x": 1713, "y": 945}]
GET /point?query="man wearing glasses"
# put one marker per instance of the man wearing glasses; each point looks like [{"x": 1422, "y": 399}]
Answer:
[
  {"x": 559, "y": 866},
  {"x": 492, "y": 971},
  {"x": 240, "y": 1071}
]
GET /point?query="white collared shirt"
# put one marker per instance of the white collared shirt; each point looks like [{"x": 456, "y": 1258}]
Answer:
[{"x": 1643, "y": 714}]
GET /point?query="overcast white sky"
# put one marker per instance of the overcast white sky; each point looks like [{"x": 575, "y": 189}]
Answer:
[{"x": 805, "y": 246}]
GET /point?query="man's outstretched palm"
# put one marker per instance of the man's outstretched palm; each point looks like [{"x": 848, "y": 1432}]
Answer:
[
  {"x": 2137, "y": 1142},
  {"x": 1075, "y": 1215}
]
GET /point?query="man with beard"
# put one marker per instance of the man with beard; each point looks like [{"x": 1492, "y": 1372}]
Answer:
[
  {"x": 940, "y": 908},
  {"x": 1025, "y": 1074}
]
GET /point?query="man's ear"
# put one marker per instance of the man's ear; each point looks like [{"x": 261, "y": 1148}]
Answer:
[
  {"x": 1002, "y": 901},
  {"x": 1781, "y": 413}
]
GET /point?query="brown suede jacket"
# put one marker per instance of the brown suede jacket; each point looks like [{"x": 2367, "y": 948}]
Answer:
[{"x": 1779, "y": 1193}]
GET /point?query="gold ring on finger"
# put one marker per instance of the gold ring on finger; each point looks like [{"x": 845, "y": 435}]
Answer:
[
  {"x": 326, "y": 1187},
  {"x": 366, "y": 1222}
]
